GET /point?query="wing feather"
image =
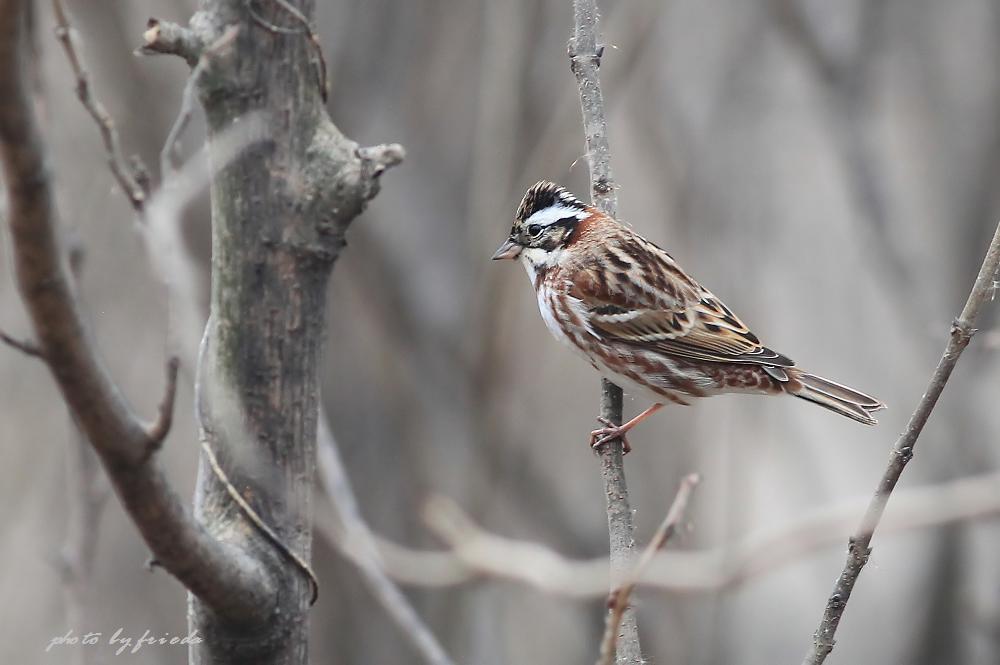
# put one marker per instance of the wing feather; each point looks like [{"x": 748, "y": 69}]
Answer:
[{"x": 651, "y": 303}]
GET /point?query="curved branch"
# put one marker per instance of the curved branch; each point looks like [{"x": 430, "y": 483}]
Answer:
[
  {"x": 858, "y": 548},
  {"x": 222, "y": 576}
]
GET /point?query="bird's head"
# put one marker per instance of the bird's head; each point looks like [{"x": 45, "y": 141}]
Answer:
[{"x": 544, "y": 222}]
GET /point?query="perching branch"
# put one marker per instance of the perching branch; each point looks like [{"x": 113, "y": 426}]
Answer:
[
  {"x": 235, "y": 586},
  {"x": 619, "y": 600},
  {"x": 585, "y": 59},
  {"x": 858, "y": 549}
]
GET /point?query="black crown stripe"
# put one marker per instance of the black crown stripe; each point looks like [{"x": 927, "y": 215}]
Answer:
[{"x": 544, "y": 195}]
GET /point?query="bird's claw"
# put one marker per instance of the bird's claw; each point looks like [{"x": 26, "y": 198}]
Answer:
[{"x": 609, "y": 432}]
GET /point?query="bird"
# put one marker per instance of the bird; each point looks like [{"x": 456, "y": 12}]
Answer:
[{"x": 638, "y": 318}]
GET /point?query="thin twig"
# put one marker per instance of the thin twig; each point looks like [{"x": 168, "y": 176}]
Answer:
[
  {"x": 168, "y": 154},
  {"x": 109, "y": 134},
  {"x": 161, "y": 426},
  {"x": 355, "y": 541},
  {"x": 585, "y": 59},
  {"x": 859, "y": 549},
  {"x": 24, "y": 346},
  {"x": 619, "y": 599}
]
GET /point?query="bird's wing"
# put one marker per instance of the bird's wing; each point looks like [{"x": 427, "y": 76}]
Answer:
[{"x": 639, "y": 296}]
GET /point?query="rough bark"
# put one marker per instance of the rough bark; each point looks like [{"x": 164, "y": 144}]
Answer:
[
  {"x": 280, "y": 211},
  {"x": 279, "y": 214}
]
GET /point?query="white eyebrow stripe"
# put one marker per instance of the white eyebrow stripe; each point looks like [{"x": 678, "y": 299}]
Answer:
[{"x": 552, "y": 214}]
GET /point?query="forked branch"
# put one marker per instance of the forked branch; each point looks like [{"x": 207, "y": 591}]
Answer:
[{"x": 619, "y": 599}]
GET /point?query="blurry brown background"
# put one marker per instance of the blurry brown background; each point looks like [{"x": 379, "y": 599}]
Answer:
[{"x": 837, "y": 191}]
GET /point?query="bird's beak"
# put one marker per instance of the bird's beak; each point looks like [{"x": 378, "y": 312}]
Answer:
[{"x": 508, "y": 250}]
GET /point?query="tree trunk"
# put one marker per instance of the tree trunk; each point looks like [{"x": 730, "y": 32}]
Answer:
[{"x": 279, "y": 213}]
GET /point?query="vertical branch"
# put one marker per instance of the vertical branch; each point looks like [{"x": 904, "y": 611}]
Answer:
[
  {"x": 585, "y": 60},
  {"x": 87, "y": 493},
  {"x": 858, "y": 549}
]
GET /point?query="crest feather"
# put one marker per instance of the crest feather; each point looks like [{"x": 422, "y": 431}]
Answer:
[{"x": 545, "y": 194}]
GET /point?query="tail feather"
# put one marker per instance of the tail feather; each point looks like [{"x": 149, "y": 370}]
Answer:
[{"x": 834, "y": 396}]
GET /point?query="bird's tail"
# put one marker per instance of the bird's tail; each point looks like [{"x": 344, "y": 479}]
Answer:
[{"x": 834, "y": 396}]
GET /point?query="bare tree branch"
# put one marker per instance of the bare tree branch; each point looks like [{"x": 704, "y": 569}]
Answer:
[
  {"x": 585, "y": 59},
  {"x": 87, "y": 494},
  {"x": 858, "y": 549},
  {"x": 158, "y": 431},
  {"x": 168, "y": 155},
  {"x": 620, "y": 597},
  {"x": 475, "y": 553},
  {"x": 355, "y": 541},
  {"x": 166, "y": 38},
  {"x": 24, "y": 346},
  {"x": 109, "y": 134},
  {"x": 230, "y": 582}
]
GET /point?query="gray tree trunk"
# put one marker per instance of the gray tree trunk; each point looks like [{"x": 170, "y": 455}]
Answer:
[{"x": 279, "y": 214}]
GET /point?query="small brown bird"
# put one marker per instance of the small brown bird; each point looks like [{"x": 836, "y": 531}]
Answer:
[{"x": 640, "y": 320}]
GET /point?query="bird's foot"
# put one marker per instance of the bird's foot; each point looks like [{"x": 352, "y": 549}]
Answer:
[{"x": 609, "y": 432}]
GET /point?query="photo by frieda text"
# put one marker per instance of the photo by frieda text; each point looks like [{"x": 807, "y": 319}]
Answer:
[{"x": 121, "y": 641}]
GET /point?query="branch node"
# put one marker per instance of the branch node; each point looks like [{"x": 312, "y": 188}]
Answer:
[
  {"x": 962, "y": 331},
  {"x": 141, "y": 175},
  {"x": 603, "y": 186},
  {"x": 618, "y": 600},
  {"x": 166, "y": 38},
  {"x": 376, "y": 159}
]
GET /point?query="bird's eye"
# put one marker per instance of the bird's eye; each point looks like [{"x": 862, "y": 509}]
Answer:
[{"x": 534, "y": 230}]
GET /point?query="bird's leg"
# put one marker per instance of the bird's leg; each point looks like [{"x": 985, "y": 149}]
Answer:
[{"x": 611, "y": 431}]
